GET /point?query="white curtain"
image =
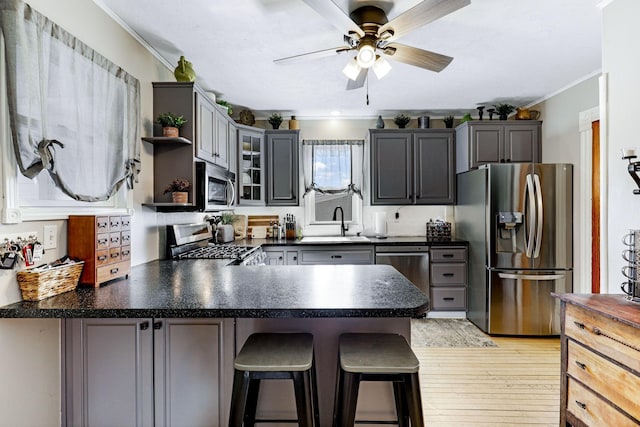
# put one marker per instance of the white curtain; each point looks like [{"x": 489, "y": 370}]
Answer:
[
  {"x": 333, "y": 166},
  {"x": 72, "y": 112}
]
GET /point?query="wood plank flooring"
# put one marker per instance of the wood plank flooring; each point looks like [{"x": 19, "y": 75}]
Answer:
[{"x": 515, "y": 384}]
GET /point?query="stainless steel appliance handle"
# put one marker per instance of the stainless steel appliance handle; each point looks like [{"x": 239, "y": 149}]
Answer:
[
  {"x": 531, "y": 217},
  {"x": 540, "y": 218},
  {"x": 233, "y": 193},
  {"x": 531, "y": 276}
]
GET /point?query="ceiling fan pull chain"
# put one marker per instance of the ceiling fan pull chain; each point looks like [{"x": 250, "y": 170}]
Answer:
[{"x": 367, "y": 88}]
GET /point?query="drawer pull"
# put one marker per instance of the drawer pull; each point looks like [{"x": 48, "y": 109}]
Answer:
[
  {"x": 578, "y": 324},
  {"x": 336, "y": 256},
  {"x": 102, "y": 241},
  {"x": 115, "y": 240},
  {"x": 125, "y": 253},
  {"x": 448, "y": 274},
  {"x": 448, "y": 298},
  {"x": 115, "y": 255},
  {"x": 581, "y": 365},
  {"x": 102, "y": 225},
  {"x": 102, "y": 257},
  {"x": 114, "y": 270},
  {"x": 447, "y": 255},
  {"x": 114, "y": 224},
  {"x": 581, "y": 404}
]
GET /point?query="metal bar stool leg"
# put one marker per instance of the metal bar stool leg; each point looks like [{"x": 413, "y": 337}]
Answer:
[
  {"x": 351, "y": 385},
  {"x": 302, "y": 387},
  {"x": 252, "y": 402},
  {"x": 314, "y": 391},
  {"x": 414, "y": 400},
  {"x": 238, "y": 398},
  {"x": 402, "y": 409}
]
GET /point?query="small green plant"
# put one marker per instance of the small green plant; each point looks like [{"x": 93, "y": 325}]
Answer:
[
  {"x": 225, "y": 104},
  {"x": 171, "y": 120},
  {"x": 448, "y": 121},
  {"x": 275, "y": 120},
  {"x": 401, "y": 120},
  {"x": 180, "y": 184},
  {"x": 227, "y": 218},
  {"x": 503, "y": 110}
]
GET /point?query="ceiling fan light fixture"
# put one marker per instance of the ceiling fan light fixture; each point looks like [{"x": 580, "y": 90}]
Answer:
[
  {"x": 352, "y": 69},
  {"x": 366, "y": 55},
  {"x": 381, "y": 67}
]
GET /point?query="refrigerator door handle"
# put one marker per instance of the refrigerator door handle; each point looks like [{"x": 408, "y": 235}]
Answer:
[
  {"x": 530, "y": 276},
  {"x": 539, "y": 215},
  {"x": 531, "y": 216}
]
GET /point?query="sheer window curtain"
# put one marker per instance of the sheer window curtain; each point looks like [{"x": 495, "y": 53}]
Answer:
[
  {"x": 333, "y": 166},
  {"x": 72, "y": 112}
]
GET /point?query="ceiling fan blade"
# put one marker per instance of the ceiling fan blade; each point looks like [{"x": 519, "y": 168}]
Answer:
[
  {"x": 332, "y": 13},
  {"x": 417, "y": 57},
  {"x": 419, "y": 15},
  {"x": 359, "y": 81},
  {"x": 313, "y": 55}
]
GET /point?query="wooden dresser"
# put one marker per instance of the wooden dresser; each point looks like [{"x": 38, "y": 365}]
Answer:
[
  {"x": 104, "y": 243},
  {"x": 600, "y": 347}
]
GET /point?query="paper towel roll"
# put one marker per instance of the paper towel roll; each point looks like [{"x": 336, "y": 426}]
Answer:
[{"x": 380, "y": 224}]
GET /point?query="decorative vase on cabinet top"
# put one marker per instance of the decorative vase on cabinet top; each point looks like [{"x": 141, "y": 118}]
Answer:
[
  {"x": 184, "y": 71},
  {"x": 526, "y": 114}
]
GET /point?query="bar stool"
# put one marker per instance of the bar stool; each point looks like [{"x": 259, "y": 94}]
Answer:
[
  {"x": 377, "y": 357},
  {"x": 274, "y": 356}
]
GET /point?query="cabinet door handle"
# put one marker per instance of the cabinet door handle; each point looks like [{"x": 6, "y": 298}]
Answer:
[
  {"x": 157, "y": 325},
  {"x": 448, "y": 274},
  {"x": 581, "y": 365},
  {"x": 579, "y": 324},
  {"x": 279, "y": 258},
  {"x": 581, "y": 404},
  {"x": 144, "y": 326},
  {"x": 295, "y": 258}
]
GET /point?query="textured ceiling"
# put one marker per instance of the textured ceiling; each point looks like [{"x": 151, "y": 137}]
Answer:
[{"x": 514, "y": 51}]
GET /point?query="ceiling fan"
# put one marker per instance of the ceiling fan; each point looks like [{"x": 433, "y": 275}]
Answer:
[{"x": 372, "y": 36}]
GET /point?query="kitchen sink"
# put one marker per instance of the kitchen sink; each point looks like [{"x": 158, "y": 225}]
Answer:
[{"x": 334, "y": 239}]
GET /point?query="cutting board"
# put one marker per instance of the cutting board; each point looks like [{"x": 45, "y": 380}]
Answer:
[{"x": 258, "y": 225}]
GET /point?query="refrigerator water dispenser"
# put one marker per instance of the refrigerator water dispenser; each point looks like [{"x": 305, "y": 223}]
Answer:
[{"x": 507, "y": 230}]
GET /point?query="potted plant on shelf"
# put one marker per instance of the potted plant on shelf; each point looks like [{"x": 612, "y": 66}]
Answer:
[
  {"x": 226, "y": 105},
  {"x": 401, "y": 120},
  {"x": 171, "y": 124},
  {"x": 225, "y": 229},
  {"x": 448, "y": 121},
  {"x": 275, "y": 120},
  {"x": 179, "y": 189},
  {"x": 503, "y": 110}
]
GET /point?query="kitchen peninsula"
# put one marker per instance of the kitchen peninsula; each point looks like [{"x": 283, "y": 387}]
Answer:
[{"x": 174, "y": 306}]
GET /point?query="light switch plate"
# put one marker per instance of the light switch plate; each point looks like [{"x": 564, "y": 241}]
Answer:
[{"x": 50, "y": 237}]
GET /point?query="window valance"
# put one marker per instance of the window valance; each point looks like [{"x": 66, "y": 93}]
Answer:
[
  {"x": 72, "y": 112},
  {"x": 333, "y": 166}
]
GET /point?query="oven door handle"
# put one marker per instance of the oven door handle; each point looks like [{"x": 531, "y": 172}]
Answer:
[{"x": 233, "y": 193}]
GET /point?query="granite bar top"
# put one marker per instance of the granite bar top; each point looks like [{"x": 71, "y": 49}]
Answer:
[{"x": 202, "y": 288}]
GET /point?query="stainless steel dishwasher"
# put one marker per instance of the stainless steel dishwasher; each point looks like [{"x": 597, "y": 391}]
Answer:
[{"x": 410, "y": 260}]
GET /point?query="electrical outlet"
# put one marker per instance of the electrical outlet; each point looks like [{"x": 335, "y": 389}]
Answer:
[{"x": 50, "y": 236}]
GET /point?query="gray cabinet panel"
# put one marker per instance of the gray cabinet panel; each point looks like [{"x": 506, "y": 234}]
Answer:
[
  {"x": 221, "y": 140},
  {"x": 280, "y": 255},
  {"x": 336, "y": 255},
  {"x": 412, "y": 167},
  {"x": 449, "y": 277},
  {"x": 282, "y": 167},
  {"x": 205, "y": 129},
  {"x": 109, "y": 369},
  {"x": 251, "y": 166},
  {"x": 292, "y": 257},
  {"x": 497, "y": 141}
]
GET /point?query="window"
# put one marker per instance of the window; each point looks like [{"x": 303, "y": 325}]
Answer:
[{"x": 333, "y": 177}]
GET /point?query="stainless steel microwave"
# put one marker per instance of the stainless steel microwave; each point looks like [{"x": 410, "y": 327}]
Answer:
[{"x": 215, "y": 187}]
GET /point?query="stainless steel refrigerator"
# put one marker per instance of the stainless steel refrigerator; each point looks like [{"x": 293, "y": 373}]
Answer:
[{"x": 518, "y": 219}]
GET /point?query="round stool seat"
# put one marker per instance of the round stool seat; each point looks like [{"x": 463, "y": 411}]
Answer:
[
  {"x": 377, "y": 353},
  {"x": 267, "y": 352}
]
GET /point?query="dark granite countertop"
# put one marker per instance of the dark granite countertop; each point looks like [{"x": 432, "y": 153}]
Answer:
[{"x": 201, "y": 288}]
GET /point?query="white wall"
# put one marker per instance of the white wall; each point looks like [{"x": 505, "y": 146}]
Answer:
[
  {"x": 561, "y": 144},
  {"x": 621, "y": 64}
]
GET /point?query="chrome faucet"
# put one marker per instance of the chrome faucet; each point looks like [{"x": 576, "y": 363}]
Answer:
[{"x": 343, "y": 228}]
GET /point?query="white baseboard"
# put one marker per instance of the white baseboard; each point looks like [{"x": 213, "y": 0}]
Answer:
[{"x": 446, "y": 314}]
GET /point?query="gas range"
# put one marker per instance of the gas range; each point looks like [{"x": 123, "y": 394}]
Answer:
[{"x": 193, "y": 241}]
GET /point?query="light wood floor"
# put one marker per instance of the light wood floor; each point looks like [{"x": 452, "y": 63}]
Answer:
[{"x": 514, "y": 384}]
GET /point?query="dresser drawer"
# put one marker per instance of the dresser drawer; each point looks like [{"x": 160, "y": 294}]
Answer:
[
  {"x": 102, "y": 241},
  {"x": 448, "y": 298},
  {"x": 102, "y": 257},
  {"x": 449, "y": 274},
  {"x": 113, "y": 271},
  {"x": 114, "y": 254},
  {"x": 102, "y": 224},
  {"x": 114, "y": 223},
  {"x": 448, "y": 254},
  {"x": 607, "y": 336},
  {"x": 125, "y": 223},
  {"x": 114, "y": 239},
  {"x": 125, "y": 253},
  {"x": 591, "y": 409},
  {"x": 125, "y": 237},
  {"x": 610, "y": 380}
]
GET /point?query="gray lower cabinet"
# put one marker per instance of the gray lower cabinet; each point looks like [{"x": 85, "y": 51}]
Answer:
[
  {"x": 338, "y": 254},
  {"x": 280, "y": 255},
  {"x": 494, "y": 141},
  {"x": 448, "y": 284},
  {"x": 282, "y": 167},
  {"x": 412, "y": 166},
  {"x": 148, "y": 372}
]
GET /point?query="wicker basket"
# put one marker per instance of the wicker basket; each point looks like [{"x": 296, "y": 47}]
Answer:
[
  {"x": 438, "y": 230},
  {"x": 36, "y": 285}
]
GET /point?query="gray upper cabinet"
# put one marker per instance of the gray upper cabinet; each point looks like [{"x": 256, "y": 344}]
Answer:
[
  {"x": 251, "y": 166},
  {"x": 494, "y": 141},
  {"x": 282, "y": 167},
  {"x": 412, "y": 167}
]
